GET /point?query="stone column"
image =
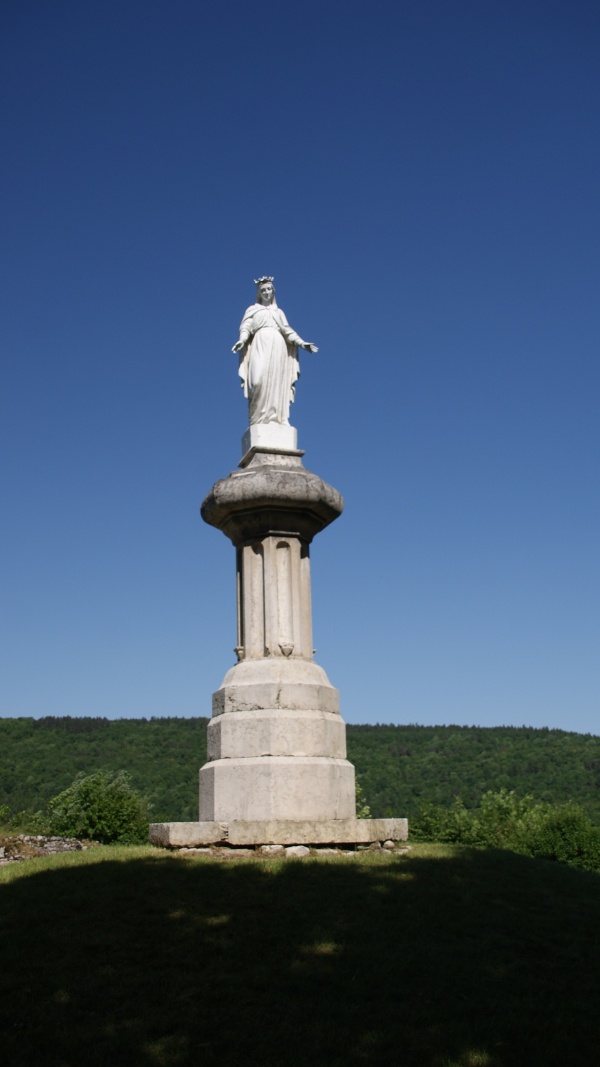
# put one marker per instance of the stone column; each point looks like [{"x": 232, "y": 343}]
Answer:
[
  {"x": 277, "y": 770},
  {"x": 276, "y": 740}
]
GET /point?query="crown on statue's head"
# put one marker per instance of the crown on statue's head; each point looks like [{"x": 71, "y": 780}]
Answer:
[{"x": 265, "y": 278}]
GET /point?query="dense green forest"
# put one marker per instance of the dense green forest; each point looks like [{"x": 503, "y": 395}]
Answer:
[{"x": 399, "y": 767}]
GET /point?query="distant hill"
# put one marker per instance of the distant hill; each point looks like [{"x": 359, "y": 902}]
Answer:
[{"x": 399, "y": 767}]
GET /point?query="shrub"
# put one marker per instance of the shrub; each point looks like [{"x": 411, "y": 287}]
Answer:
[
  {"x": 567, "y": 835},
  {"x": 435, "y": 823},
  {"x": 560, "y": 832},
  {"x": 503, "y": 819},
  {"x": 363, "y": 810},
  {"x": 28, "y": 822},
  {"x": 102, "y": 807}
]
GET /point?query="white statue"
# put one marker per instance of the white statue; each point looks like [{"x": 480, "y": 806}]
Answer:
[{"x": 269, "y": 366}]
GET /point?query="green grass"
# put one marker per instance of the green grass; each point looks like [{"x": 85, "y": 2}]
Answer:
[{"x": 445, "y": 957}]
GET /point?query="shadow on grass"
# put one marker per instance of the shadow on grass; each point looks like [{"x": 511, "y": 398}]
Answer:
[{"x": 476, "y": 959}]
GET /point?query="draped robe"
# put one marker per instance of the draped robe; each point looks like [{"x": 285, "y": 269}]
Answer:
[{"x": 269, "y": 366}]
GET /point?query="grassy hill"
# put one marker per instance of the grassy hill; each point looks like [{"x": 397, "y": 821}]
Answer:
[
  {"x": 399, "y": 766},
  {"x": 444, "y": 957}
]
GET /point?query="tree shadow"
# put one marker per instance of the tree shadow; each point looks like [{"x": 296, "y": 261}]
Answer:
[{"x": 478, "y": 959}]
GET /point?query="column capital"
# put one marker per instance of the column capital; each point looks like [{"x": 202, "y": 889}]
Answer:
[{"x": 273, "y": 494}]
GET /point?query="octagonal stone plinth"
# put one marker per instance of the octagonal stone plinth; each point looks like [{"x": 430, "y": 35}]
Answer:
[
  {"x": 277, "y": 788},
  {"x": 276, "y": 746},
  {"x": 276, "y": 732}
]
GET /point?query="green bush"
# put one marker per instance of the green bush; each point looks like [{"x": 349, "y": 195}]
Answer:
[
  {"x": 102, "y": 807},
  {"x": 436, "y": 823},
  {"x": 503, "y": 819},
  {"x": 29, "y": 822},
  {"x": 567, "y": 835},
  {"x": 561, "y": 832},
  {"x": 363, "y": 810}
]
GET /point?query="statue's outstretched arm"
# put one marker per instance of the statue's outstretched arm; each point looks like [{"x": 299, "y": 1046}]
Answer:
[
  {"x": 293, "y": 338},
  {"x": 245, "y": 332}
]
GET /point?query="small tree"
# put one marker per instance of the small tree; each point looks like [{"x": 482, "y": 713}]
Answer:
[
  {"x": 363, "y": 810},
  {"x": 102, "y": 807}
]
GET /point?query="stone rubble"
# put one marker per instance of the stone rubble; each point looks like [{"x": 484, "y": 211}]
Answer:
[
  {"x": 16, "y": 848},
  {"x": 398, "y": 848},
  {"x": 297, "y": 850}
]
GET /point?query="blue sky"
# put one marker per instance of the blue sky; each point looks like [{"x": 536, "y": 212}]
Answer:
[{"x": 422, "y": 180}]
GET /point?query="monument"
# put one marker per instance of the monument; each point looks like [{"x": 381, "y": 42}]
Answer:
[{"x": 277, "y": 771}]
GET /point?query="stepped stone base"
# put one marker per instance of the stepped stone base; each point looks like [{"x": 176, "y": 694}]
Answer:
[{"x": 278, "y": 832}]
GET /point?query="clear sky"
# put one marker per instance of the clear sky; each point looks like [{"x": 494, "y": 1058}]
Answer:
[{"x": 423, "y": 180}]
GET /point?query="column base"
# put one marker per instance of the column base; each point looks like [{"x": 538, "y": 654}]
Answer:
[
  {"x": 277, "y": 788},
  {"x": 277, "y": 832}
]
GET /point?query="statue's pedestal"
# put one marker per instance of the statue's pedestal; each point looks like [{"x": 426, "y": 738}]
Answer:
[
  {"x": 277, "y": 771},
  {"x": 270, "y": 437}
]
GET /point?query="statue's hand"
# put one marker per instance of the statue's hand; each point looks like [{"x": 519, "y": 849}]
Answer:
[
  {"x": 238, "y": 346},
  {"x": 309, "y": 347}
]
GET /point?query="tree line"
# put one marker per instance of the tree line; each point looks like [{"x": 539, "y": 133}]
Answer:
[{"x": 402, "y": 769}]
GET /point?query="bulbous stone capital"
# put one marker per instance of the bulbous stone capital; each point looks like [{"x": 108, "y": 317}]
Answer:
[{"x": 273, "y": 494}]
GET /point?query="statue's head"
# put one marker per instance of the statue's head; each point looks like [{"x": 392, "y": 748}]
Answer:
[{"x": 265, "y": 290}]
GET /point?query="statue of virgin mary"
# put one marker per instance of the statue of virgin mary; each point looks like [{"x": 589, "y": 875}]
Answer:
[{"x": 269, "y": 366}]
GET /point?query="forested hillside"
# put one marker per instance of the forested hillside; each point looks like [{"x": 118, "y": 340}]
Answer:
[
  {"x": 399, "y": 767},
  {"x": 40, "y": 757}
]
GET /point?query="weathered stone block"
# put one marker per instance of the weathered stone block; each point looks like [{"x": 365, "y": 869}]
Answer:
[
  {"x": 277, "y": 787},
  {"x": 279, "y": 832},
  {"x": 187, "y": 834},
  {"x": 276, "y": 732}
]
